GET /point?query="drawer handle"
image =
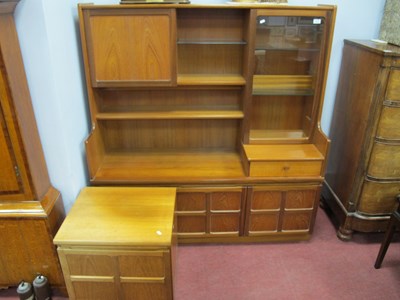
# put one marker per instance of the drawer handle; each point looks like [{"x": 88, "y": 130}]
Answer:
[{"x": 286, "y": 168}]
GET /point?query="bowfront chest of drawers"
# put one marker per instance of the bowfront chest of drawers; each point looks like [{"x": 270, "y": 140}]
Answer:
[
  {"x": 118, "y": 243},
  {"x": 363, "y": 176}
]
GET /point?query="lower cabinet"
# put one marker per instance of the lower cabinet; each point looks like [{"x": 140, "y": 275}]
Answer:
[
  {"x": 107, "y": 274},
  {"x": 209, "y": 211},
  {"x": 243, "y": 213},
  {"x": 279, "y": 209}
]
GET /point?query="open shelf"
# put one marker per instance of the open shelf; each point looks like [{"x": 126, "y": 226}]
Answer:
[
  {"x": 168, "y": 167},
  {"x": 210, "y": 42},
  {"x": 261, "y": 136},
  {"x": 166, "y": 115},
  {"x": 211, "y": 79}
]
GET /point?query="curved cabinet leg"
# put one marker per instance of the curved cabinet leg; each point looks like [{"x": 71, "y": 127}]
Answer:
[{"x": 344, "y": 234}]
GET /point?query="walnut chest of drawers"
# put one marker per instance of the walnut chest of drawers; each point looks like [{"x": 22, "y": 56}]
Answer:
[
  {"x": 118, "y": 243},
  {"x": 363, "y": 176}
]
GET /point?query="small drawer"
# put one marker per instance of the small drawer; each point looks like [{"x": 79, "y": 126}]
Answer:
[
  {"x": 378, "y": 197},
  {"x": 385, "y": 161},
  {"x": 389, "y": 125},
  {"x": 393, "y": 89},
  {"x": 285, "y": 168}
]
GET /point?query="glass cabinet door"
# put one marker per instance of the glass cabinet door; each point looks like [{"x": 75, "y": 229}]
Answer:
[{"x": 287, "y": 59}]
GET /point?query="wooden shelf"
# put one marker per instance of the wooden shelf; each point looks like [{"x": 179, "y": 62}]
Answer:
[
  {"x": 297, "y": 85},
  {"x": 168, "y": 167},
  {"x": 210, "y": 42},
  {"x": 211, "y": 79},
  {"x": 172, "y": 115},
  {"x": 259, "y": 135},
  {"x": 293, "y": 152}
]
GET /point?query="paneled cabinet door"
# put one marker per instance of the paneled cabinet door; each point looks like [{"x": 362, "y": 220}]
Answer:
[
  {"x": 281, "y": 209},
  {"x": 133, "y": 47},
  {"x": 209, "y": 212}
]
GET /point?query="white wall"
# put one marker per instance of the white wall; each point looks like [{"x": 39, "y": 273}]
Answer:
[{"x": 48, "y": 33}]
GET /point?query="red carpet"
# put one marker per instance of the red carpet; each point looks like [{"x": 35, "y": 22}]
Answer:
[{"x": 322, "y": 268}]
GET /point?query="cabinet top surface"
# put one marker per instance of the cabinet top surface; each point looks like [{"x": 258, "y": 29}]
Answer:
[
  {"x": 120, "y": 216},
  {"x": 384, "y": 49},
  {"x": 239, "y": 5}
]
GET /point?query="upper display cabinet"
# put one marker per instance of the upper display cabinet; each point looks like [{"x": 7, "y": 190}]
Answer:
[{"x": 290, "y": 50}]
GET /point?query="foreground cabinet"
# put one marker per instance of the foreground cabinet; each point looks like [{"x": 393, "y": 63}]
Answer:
[
  {"x": 229, "y": 105},
  {"x": 118, "y": 243},
  {"x": 31, "y": 210},
  {"x": 363, "y": 177}
]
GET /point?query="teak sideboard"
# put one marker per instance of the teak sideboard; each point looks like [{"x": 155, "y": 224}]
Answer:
[
  {"x": 31, "y": 210},
  {"x": 222, "y": 102},
  {"x": 363, "y": 176}
]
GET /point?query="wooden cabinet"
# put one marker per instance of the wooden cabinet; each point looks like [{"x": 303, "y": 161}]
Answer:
[
  {"x": 31, "y": 210},
  {"x": 119, "y": 243},
  {"x": 242, "y": 109},
  {"x": 289, "y": 210},
  {"x": 363, "y": 176}
]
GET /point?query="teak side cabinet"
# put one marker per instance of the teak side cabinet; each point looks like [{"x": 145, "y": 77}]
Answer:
[
  {"x": 222, "y": 102},
  {"x": 363, "y": 176},
  {"x": 31, "y": 210}
]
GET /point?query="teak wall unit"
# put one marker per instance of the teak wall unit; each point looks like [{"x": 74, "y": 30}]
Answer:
[
  {"x": 31, "y": 210},
  {"x": 363, "y": 177},
  {"x": 222, "y": 102}
]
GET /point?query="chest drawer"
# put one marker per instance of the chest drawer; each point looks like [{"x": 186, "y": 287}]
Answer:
[
  {"x": 393, "y": 89},
  {"x": 389, "y": 125},
  {"x": 378, "y": 197},
  {"x": 385, "y": 161}
]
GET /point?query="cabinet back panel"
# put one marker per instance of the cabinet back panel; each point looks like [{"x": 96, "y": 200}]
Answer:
[
  {"x": 290, "y": 62},
  {"x": 210, "y": 24},
  {"x": 270, "y": 112},
  {"x": 162, "y": 100},
  {"x": 169, "y": 134},
  {"x": 210, "y": 59}
]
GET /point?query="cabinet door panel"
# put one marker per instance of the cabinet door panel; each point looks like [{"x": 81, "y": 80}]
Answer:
[
  {"x": 191, "y": 202},
  {"x": 265, "y": 222},
  {"x": 281, "y": 209},
  {"x": 144, "y": 264},
  {"x": 225, "y": 201},
  {"x": 95, "y": 290},
  {"x": 191, "y": 224},
  {"x": 266, "y": 200},
  {"x": 300, "y": 199},
  {"x": 294, "y": 221},
  {"x": 100, "y": 265},
  {"x": 225, "y": 223},
  {"x": 145, "y": 291},
  {"x": 133, "y": 48}
]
